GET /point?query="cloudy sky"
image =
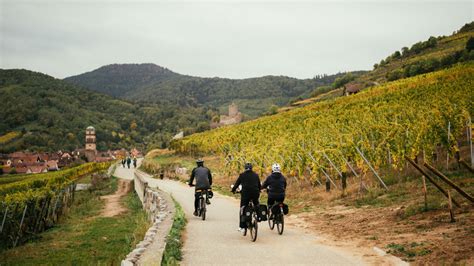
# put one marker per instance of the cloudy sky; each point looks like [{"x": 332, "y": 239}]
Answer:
[{"x": 234, "y": 39}]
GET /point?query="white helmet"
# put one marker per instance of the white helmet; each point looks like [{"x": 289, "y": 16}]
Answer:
[{"x": 276, "y": 168}]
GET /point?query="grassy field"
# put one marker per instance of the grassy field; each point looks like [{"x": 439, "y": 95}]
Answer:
[{"x": 83, "y": 237}]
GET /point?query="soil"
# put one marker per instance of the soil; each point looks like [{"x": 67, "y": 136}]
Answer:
[
  {"x": 113, "y": 205},
  {"x": 425, "y": 238}
]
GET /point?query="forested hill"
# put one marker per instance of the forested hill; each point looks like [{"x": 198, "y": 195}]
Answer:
[
  {"x": 42, "y": 113},
  {"x": 154, "y": 84}
]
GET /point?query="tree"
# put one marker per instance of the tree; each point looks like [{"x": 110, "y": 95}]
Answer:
[{"x": 470, "y": 44}]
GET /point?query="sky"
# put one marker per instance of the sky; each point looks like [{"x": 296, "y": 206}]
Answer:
[{"x": 232, "y": 39}]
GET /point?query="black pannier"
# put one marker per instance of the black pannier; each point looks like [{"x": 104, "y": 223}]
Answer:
[
  {"x": 262, "y": 214},
  {"x": 276, "y": 209},
  {"x": 245, "y": 214}
]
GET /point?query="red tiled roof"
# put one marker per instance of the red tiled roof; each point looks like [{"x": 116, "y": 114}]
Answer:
[{"x": 353, "y": 87}]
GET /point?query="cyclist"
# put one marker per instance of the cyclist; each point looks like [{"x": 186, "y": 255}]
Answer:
[
  {"x": 203, "y": 181},
  {"x": 250, "y": 189},
  {"x": 276, "y": 184}
]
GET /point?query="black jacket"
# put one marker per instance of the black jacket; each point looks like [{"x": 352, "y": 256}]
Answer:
[
  {"x": 276, "y": 184},
  {"x": 203, "y": 177},
  {"x": 250, "y": 183}
]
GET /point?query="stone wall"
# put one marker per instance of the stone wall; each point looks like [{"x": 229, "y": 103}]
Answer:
[{"x": 160, "y": 210}]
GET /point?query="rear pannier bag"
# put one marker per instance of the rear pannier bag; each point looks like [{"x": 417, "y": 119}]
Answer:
[
  {"x": 276, "y": 209},
  {"x": 245, "y": 214},
  {"x": 262, "y": 214}
]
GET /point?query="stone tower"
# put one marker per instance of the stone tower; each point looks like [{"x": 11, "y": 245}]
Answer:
[
  {"x": 233, "y": 110},
  {"x": 91, "y": 149}
]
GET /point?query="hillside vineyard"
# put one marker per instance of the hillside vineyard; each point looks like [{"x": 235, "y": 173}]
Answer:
[{"x": 405, "y": 117}]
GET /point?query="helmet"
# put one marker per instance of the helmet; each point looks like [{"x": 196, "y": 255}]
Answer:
[
  {"x": 199, "y": 162},
  {"x": 248, "y": 166},
  {"x": 276, "y": 168}
]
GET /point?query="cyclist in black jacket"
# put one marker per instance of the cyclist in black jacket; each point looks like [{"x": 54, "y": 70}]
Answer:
[
  {"x": 250, "y": 189},
  {"x": 203, "y": 181},
  {"x": 276, "y": 184}
]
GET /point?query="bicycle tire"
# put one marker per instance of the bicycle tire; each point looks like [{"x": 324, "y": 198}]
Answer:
[
  {"x": 254, "y": 229},
  {"x": 281, "y": 224},
  {"x": 271, "y": 222},
  {"x": 203, "y": 209}
]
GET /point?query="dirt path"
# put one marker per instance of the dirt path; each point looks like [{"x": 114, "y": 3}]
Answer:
[{"x": 113, "y": 206}]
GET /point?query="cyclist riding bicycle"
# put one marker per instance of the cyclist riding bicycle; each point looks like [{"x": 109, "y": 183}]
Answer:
[
  {"x": 203, "y": 178},
  {"x": 276, "y": 185},
  {"x": 250, "y": 190}
]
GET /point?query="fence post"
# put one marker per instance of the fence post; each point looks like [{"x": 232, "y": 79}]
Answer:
[{"x": 449, "y": 146}]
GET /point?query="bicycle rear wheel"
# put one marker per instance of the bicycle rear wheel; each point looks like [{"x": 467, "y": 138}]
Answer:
[
  {"x": 203, "y": 209},
  {"x": 254, "y": 228},
  {"x": 281, "y": 223},
  {"x": 271, "y": 221}
]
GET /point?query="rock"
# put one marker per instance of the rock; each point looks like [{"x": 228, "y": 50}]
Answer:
[{"x": 126, "y": 263}]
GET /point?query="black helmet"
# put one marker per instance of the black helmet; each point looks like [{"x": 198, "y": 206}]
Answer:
[
  {"x": 199, "y": 162},
  {"x": 248, "y": 166}
]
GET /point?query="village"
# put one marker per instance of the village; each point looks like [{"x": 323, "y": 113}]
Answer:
[{"x": 26, "y": 162}]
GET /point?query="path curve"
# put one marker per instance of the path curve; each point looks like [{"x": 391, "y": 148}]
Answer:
[{"x": 217, "y": 242}]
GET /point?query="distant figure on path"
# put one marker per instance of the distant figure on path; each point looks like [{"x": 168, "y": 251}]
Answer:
[
  {"x": 134, "y": 162},
  {"x": 123, "y": 162},
  {"x": 128, "y": 161}
]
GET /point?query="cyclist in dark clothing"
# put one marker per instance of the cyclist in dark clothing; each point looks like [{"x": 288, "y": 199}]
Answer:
[
  {"x": 276, "y": 184},
  {"x": 203, "y": 178},
  {"x": 250, "y": 189}
]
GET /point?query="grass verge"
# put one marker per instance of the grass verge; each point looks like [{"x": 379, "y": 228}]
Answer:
[
  {"x": 83, "y": 237},
  {"x": 172, "y": 254}
]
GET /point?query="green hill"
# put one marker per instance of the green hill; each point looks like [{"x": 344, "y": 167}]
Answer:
[
  {"x": 422, "y": 57},
  {"x": 40, "y": 112},
  {"x": 150, "y": 83}
]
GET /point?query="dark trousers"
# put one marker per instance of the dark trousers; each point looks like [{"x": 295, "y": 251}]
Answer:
[
  {"x": 273, "y": 199},
  {"x": 244, "y": 201}
]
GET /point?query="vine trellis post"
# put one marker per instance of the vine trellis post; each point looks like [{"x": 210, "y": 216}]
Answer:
[{"x": 371, "y": 168}]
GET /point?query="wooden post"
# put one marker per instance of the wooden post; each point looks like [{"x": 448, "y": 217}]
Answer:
[
  {"x": 449, "y": 146},
  {"x": 430, "y": 179},
  {"x": 328, "y": 177},
  {"x": 425, "y": 192},
  {"x": 449, "y": 182},
  {"x": 328, "y": 185},
  {"x": 470, "y": 142},
  {"x": 463, "y": 163},
  {"x": 450, "y": 205}
]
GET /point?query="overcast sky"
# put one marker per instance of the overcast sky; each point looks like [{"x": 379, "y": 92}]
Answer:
[{"x": 234, "y": 39}]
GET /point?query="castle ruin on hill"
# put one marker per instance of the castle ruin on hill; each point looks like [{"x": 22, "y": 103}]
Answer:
[{"x": 234, "y": 117}]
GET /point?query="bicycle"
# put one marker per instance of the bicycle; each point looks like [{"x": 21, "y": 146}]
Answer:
[
  {"x": 277, "y": 218},
  {"x": 202, "y": 203},
  {"x": 251, "y": 220}
]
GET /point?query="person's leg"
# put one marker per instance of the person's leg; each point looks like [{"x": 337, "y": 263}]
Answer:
[
  {"x": 196, "y": 203},
  {"x": 244, "y": 201}
]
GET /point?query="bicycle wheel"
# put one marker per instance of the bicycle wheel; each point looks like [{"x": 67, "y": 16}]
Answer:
[
  {"x": 254, "y": 228},
  {"x": 271, "y": 221},
  {"x": 203, "y": 209},
  {"x": 281, "y": 223}
]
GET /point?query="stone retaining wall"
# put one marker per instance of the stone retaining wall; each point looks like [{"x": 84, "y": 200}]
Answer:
[{"x": 160, "y": 210}]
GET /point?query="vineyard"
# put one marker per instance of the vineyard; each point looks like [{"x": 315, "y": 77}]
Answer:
[
  {"x": 32, "y": 203},
  {"x": 375, "y": 128}
]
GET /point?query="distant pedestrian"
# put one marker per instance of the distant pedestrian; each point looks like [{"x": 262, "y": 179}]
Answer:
[
  {"x": 129, "y": 160},
  {"x": 123, "y": 162},
  {"x": 134, "y": 162}
]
